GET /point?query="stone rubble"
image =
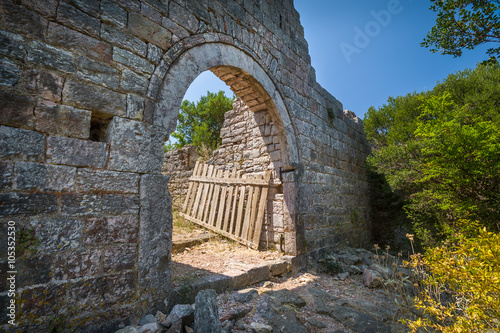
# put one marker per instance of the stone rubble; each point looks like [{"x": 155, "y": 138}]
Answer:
[{"x": 310, "y": 308}]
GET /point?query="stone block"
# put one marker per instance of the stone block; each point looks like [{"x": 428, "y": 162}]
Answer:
[
  {"x": 33, "y": 270},
  {"x": 9, "y": 72},
  {"x": 16, "y": 111},
  {"x": 275, "y": 155},
  {"x": 81, "y": 204},
  {"x": 20, "y": 144},
  {"x": 118, "y": 37},
  {"x": 154, "y": 33},
  {"x": 178, "y": 31},
  {"x": 183, "y": 17},
  {"x": 258, "y": 274},
  {"x": 89, "y": 180},
  {"x": 151, "y": 13},
  {"x": 277, "y": 220},
  {"x": 155, "y": 236},
  {"x": 60, "y": 178},
  {"x": 63, "y": 120},
  {"x": 22, "y": 19},
  {"x": 251, "y": 154},
  {"x": 61, "y": 35},
  {"x": 279, "y": 268},
  {"x": 30, "y": 176},
  {"x": 14, "y": 203},
  {"x": 98, "y": 72},
  {"x": 46, "y": 8},
  {"x": 12, "y": 45},
  {"x": 135, "y": 107},
  {"x": 134, "y": 82},
  {"x": 46, "y": 55},
  {"x": 160, "y": 5},
  {"x": 118, "y": 204},
  {"x": 43, "y": 84},
  {"x": 90, "y": 7},
  {"x": 93, "y": 97},
  {"x": 134, "y": 146},
  {"x": 115, "y": 229},
  {"x": 57, "y": 233},
  {"x": 76, "y": 19},
  {"x": 6, "y": 174},
  {"x": 119, "y": 258},
  {"x": 76, "y": 264},
  {"x": 75, "y": 152},
  {"x": 133, "y": 61},
  {"x": 114, "y": 14},
  {"x": 154, "y": 54}
]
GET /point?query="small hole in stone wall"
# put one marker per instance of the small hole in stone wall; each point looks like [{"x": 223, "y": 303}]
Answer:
[
  {"x": 281, "y": 22},
  {"x": 99, "y": 127},
  {"x": 331, "y": 115}
]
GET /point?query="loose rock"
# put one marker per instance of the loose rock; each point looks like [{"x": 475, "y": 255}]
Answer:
[
  {"x": 261, "y": 328},
  {"x": 150, "y": 328},
  {"x": 206, "y": 314},
  {"x": 147, "y": 320},
  {"x": 372, "y": 278}
]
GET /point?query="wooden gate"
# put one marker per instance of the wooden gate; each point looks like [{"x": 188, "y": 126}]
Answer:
[{"x": 224, "y": 202}]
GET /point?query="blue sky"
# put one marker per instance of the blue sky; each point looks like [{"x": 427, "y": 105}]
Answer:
[{"x": 367, "y": 50}]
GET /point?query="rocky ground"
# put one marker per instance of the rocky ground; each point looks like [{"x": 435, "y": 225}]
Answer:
[{"x": 349, "y": 290}]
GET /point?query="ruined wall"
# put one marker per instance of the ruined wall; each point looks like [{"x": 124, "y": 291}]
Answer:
[
  {"x": 91, "y": 89},
  {"x": 179, "y": 166}
]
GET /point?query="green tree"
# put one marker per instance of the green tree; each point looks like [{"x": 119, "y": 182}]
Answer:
[
  {"x": 200, "y": 123},
  {"x": 464, "y": 24},
  {"x": 441, "y": 150}
]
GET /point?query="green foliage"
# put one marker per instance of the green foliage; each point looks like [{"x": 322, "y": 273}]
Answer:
[
  {"x": 200, "y": 123},
  {"x": 464, "y": 24},
  {"x": 441, "y": 151},
  {"x": 467, "y": 269}
]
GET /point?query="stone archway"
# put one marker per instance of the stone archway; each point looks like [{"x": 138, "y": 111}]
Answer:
[{"x": 252, "y": 84}]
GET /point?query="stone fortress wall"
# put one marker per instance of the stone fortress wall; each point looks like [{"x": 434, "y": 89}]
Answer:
[{"x": 90, "y": 91}]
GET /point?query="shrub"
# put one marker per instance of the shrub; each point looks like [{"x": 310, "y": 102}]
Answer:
[{"x": 461, "y": 290}]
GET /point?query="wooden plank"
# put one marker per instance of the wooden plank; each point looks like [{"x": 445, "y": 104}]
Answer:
[
  {"x": 246, "y": 220},
  {"x": 203, "y": 202},
  {"x": 224, "y": 233},
  {"x": 215, "y": 200},
  {"x": 235, "y": 206},
  {"x": 229, "y": 200},
  {"x": 193, "y": 196},
  {"x": 208, "y": 208},
  {"x": 199, "y": 193},
  {"x": 222, "y": 202},
  {"x": 239, "y": 181},
  {"x": 190, "y": 188},
  {"x": 261, "y": 208},
  {"x": 255, "y": 200},
  {"x": 241, "y": 208}
]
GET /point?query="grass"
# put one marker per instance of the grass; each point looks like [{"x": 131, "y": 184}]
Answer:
[{"x": 181, "y": 225}]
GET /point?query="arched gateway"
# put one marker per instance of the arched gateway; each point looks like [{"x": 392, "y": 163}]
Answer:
[{"x": 90, "y": 90}]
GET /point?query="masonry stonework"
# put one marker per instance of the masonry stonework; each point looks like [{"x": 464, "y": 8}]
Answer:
[
  {"x": 179, "y": 166},
  {"x": 89, "y": 92}
]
